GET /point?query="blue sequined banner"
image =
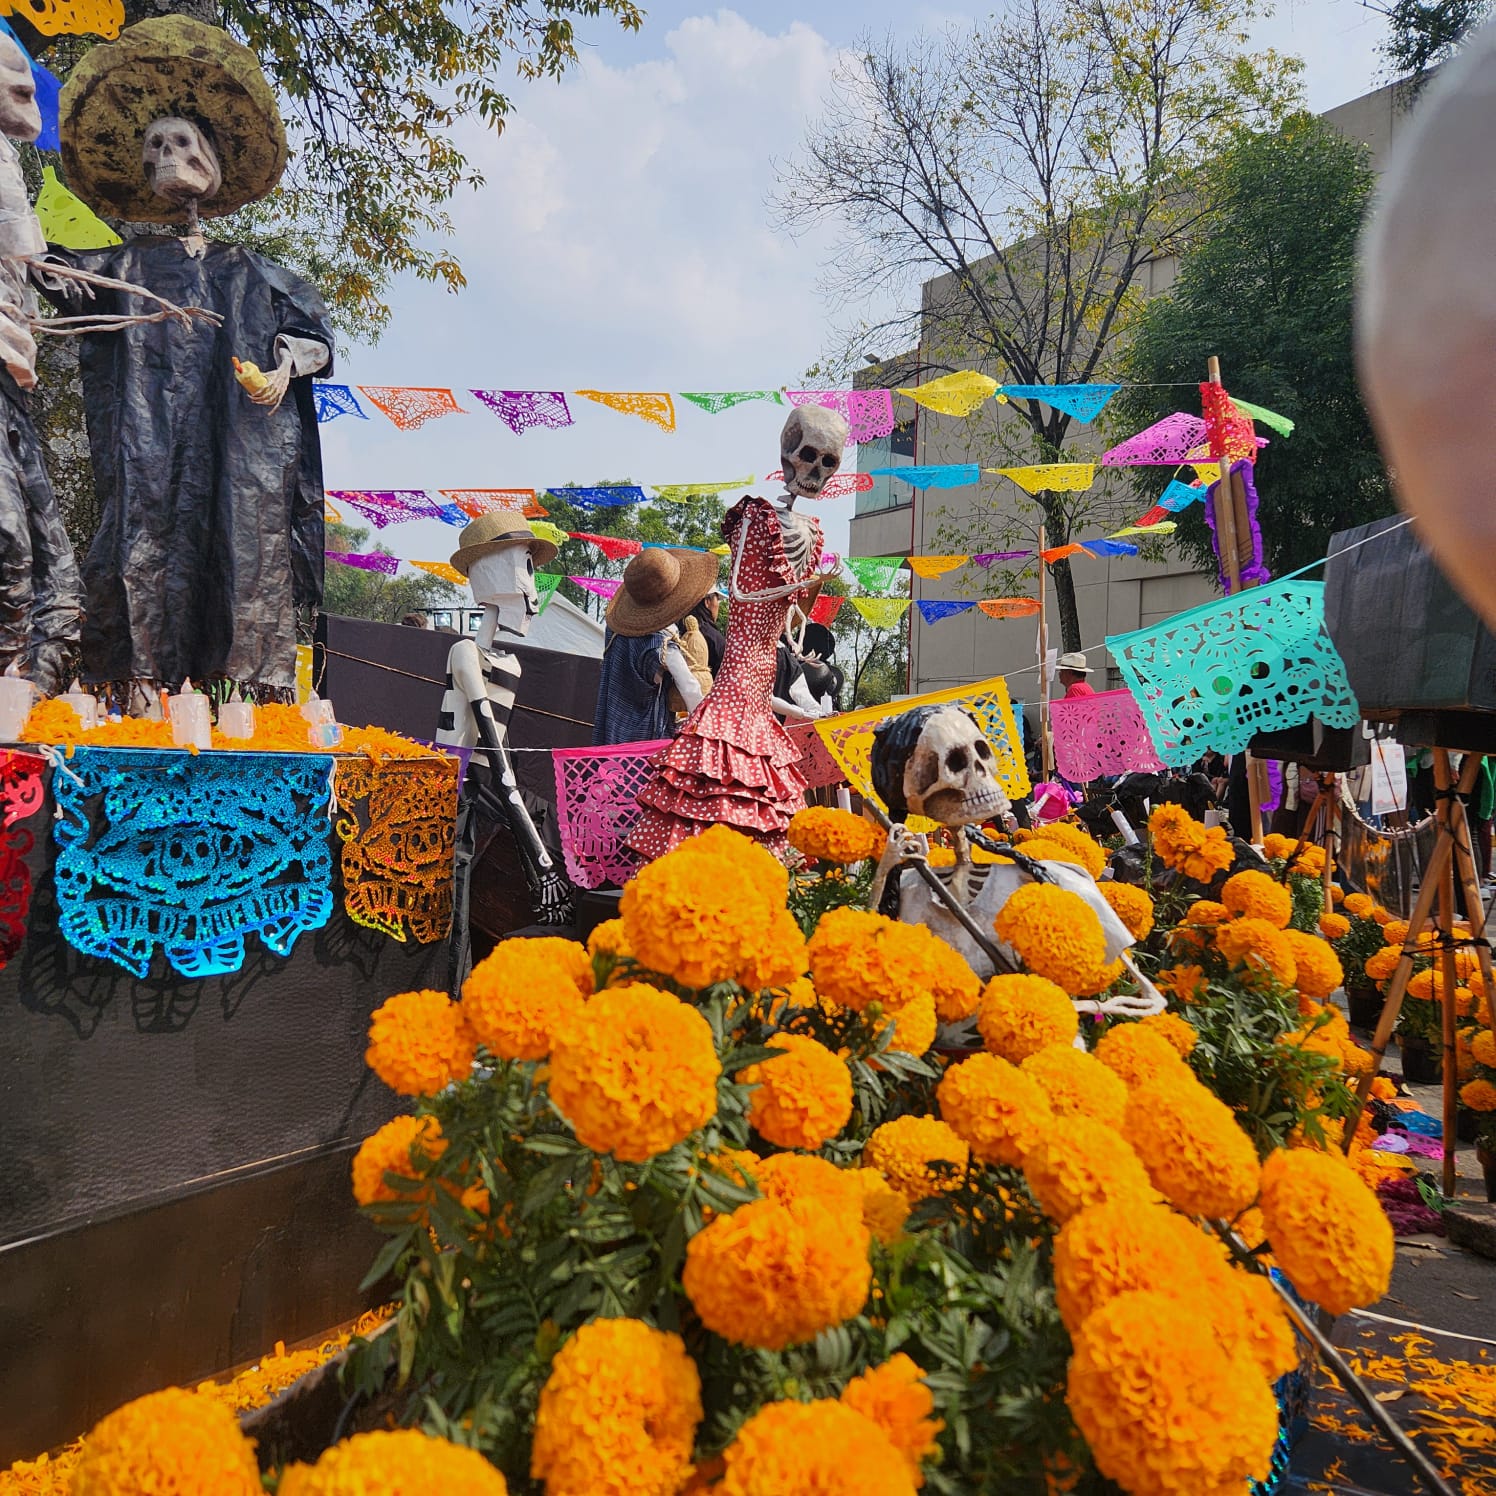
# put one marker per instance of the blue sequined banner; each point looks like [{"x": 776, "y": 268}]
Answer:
[{"x": 189, "y": 854}]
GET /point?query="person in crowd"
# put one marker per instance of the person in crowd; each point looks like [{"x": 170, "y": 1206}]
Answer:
[
  {"x": 1073, "y": 671},
  {"x": 707, "y": 614},
  {"x": 414, "y": 621}
]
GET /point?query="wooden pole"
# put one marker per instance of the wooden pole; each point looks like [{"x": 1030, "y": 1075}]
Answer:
[
  {"x": 1046, "y": 745},
  {"x": 1464, "y": 856},
  {"x": 1443, "y": 780}
]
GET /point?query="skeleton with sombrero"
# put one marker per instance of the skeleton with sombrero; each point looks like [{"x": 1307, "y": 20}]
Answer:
[
  {"x": 209, "y": 551},
  {"x": 498, "y": 555}
]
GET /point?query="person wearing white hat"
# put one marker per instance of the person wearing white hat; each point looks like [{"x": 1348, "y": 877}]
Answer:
[{"x": 1073, "y": 670}]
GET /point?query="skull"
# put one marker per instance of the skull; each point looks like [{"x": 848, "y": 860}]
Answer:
[
  {"x": 505, "y": 581},
  {"x": 20, "y": 119},
  {"x": 179, "y": 160},
  {"x": 949, "y": 776},
  {"x": 810, "y": 448}
]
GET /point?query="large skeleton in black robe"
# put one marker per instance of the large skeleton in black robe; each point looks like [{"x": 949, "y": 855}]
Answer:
[{"x": 211, "y": 534}]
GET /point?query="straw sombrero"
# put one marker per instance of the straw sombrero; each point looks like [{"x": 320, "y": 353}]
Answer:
[
  {"x": 173, "y": 66},
  {"x": 493, "y": 532},
  {"x": 660, "y": 586}
]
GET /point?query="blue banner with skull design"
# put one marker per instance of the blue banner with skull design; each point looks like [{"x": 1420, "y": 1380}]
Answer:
[{"x": 190, "y": 854}]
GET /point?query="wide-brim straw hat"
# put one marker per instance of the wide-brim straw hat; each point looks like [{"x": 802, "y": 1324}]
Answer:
[
  {"x": 1076, "y": 662},
  {"x": 169, "y": 66},
  {"x": 495, "y": 532},
  {"x": 660, "y": 587}
]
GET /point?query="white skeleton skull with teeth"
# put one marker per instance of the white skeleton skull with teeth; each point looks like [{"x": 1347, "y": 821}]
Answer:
[
  {"x": 949, "y": 777},
  {"x": 180, "y": 162},
  {"x": 810, "y": 449}
]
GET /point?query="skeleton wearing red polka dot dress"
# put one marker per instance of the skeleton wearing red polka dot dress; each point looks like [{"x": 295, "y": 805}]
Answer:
[{"x": 733, "y": 763}]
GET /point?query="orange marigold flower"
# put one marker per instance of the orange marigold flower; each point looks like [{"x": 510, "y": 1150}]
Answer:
[
  {"x": 419, "y": 1042},
  {"x": 704, "y": 912},
  {"x": 997, "y": 1110},
  {"x": 1183, "y": 983},
  {"x": 903, "y": 1150},
  {"x": 801, "y": 1098},
  {"x": 857, "y": 959},
  {"x": 772, "y": 1275},
  {"x": 1278, "y": 848},
  {"x": 1088, "y": 851},
  {"x": 635, "y": 1072},
  {"x": 1317, "y": 969},
  {"x": 608, "y": 939},
  {"x": 1385, "y": 917},
  {"x": 1483, "y": 1047},
  {"x": 915, "y": 1026},
  {"x": 1189, "y": 1142},
  {"x": 1022, "y": 1014},
  {"x": 1257, "y": 896},
  {"x": 955, "y": 987},
  {"x": 1395, "y": 931},
  {"x": 1186, "y": 846},
  {"x": 1479, "y": 1095},
  {"x": 822, "y": 1447},
  {"x": 1328, "y": 1231},
  {"x": 1178, "y": 1031},
  {"x": 1359, "y": 904},
  {"x": 168, "y": 1443},
  {"x": 1056, "y": 935},
  {"x": 1132, "y": 905},
  {"x": 1310, "y": 863},
  {"x": 618, "y": 1413},
  {"x": 394, "y": 1460},
  {"x": 895, "y": 1397},
  {"x": 1334, "y": 926},
  {"x": 1260, "y": 947},
  {"x": 1083, "y": 1163},
  {"x": 884, "y": 1209},
  {"x": 1135, "y": 1054},
  {"x": 1380, "y": 965},
  {"x": 1077, "y": 1084},
  {"x": 1269, "y": 1333},
  {"x": 1206, "y": 912},
  {"x": 787, "y": 1177},
  {"x": 520, "y": 995},
  {"x": 1153, "y": 1426},
  {"x": 831, "y": 835},
  {"x": 406, "y": 1146},
  {"x": 777, "y": 955}
]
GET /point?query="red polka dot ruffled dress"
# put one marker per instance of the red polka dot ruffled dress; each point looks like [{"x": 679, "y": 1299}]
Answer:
[{"x": 733, "y": 763}]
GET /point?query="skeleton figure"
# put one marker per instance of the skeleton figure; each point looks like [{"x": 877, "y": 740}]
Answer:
[
  {"x": 935, "y": 762},
  {"x": 497, "y": 555}
]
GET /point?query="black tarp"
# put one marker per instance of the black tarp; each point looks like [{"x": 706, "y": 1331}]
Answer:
[{"x": 211, "y": 529}]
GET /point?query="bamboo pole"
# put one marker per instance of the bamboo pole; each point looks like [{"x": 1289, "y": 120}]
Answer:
[
  {"x": 1046, "y": 745},
  {"x": 1443, "y": 780}
]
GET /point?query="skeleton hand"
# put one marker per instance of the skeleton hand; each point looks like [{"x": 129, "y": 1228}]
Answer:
[
  {"x": 552, "y": 896},
  {"x": 907, "y": 845},
  {"x": 276, "y": 383}
]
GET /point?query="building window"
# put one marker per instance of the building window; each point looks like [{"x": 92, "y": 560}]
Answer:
[
  {"x": 894, "y": 450},
  {"x": 441, "y": 620}
]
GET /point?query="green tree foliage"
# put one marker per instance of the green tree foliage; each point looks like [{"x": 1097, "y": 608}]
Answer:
[
  {"x": 1006, "y": 187},
  {"x": 1267, "y": 287},
  {"x": 378, "y": 97},
  {"x": 1422, "y": 34},
  {"x": 354, "y": 593}
]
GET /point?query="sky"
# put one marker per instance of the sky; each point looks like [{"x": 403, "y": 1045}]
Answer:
[{"x": 622, "y": 242}]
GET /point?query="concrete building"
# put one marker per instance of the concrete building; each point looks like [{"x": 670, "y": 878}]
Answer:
[{"x": 1113, "y": 595}]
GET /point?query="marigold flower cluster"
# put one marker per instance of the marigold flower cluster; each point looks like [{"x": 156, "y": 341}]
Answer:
[
  {"x": 1317, "y": 969},
  {"x": 1084, "y": 1163},
  {"x": 1361, "y": 905},
  {"x": 772, "y": 1275},
  {"x": 1186, "y": 846},
  {"x": 1178, "y": 1031},
  {"x": 393, "y": 1460},
  {"x": 1255, "y": 895},
  {"x": 1479, "y": 1094},
  {"x": 1183, "y": 983},
  {"x": 1077, "y": 1084},
  {"x": 406, "y": 1146},
  {"x": 609, "y": 939},
  {"x": 915, "y": 1025},
  {"x": 822, "y": 1448},
  {"x": 1056, "y": 935},
  {"x": 1329, "y": 1233},
  {"x": 831, "y": 835},
  {"x": 903, "y": 1150},
  {"x": 1334, "y": 926},
  {"x": 635, "y": 1072},
  {"x": 168, "y": 1443},
  {"x": 1195, "y": 1154},
  {"x": 884, "y": 1209},
  {"x": 997, "y": 1110},
  {"x": 518, "y": 998},
  {"x": 618, "y": 1414},
  {"x": 857, "y": 959},
  {"x": 1083, "y": 848},
  {"x": 1380, "y": 965},
  {"x": 1483, "y": 1048},
  {"x": 713, "y": 910},
  {"x": 1164, "y": 1409},
  {"x": 1135, "y": 1054},
  {"x": 954, "y": 986},
  {"x": 894, "y": 1396},
  {"x": 1259, "y": 947},
  {"x": 787, "y": 1177},
  {"x": 419, "y": 1042},
  {"x": 802, "y": 1097},
  {"x": 1132, "y": 905},
  {"x": 1022, "y": 1014}
]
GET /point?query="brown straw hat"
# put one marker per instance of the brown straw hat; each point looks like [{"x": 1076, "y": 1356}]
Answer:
[
  {"x": 660, "y": 587},
  {"x": 492, "y": 532}
]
